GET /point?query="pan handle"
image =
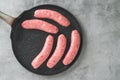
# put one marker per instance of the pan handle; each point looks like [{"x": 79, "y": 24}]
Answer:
[{"x": 8, "y": 19}]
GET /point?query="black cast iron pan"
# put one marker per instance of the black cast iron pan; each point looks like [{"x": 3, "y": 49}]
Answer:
[{"x": 27, "y": 43}]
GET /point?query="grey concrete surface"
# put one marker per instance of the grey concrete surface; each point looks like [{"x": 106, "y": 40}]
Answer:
[{"x": 100, "y": 56}]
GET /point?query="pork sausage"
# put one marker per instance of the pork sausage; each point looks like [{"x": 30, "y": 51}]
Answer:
[
  {"x": 40, "y": 25},
  {"x": 74, "y": 47},
  {"x": 54, "y": 15},
  {"x": 59, "y": 51},
  {"x": 45, "y": 52}
]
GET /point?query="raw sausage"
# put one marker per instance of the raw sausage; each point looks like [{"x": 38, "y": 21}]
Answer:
[
  {"x": 50, "y": 14},
  {"x": 59, "y": 51},
  {"x": 45, "y": 52},
  {"x": 74, "y": 47},
  {"x": 40, "y": 25}
]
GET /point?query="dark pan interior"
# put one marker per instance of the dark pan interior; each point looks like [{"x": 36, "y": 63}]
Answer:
[{"x": 28, "y": 43}]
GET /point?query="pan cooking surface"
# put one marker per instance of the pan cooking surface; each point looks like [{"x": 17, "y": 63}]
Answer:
[{"x": 28, "y": 43}]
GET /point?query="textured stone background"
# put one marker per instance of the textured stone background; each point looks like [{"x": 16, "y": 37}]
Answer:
[{"x": 100, "y": 56}]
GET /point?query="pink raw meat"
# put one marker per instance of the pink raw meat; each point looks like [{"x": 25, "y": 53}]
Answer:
[
  {"x": 74, "y": 47},
  {"x": 45, "y": 52},
  {"x": 54, "y": 15},
  {"x": 59, "y": 51},
  {"x": 40, "y": 25}
]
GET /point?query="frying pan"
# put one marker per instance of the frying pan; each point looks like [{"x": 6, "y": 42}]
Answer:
[{"x": 26, "y": 44}]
